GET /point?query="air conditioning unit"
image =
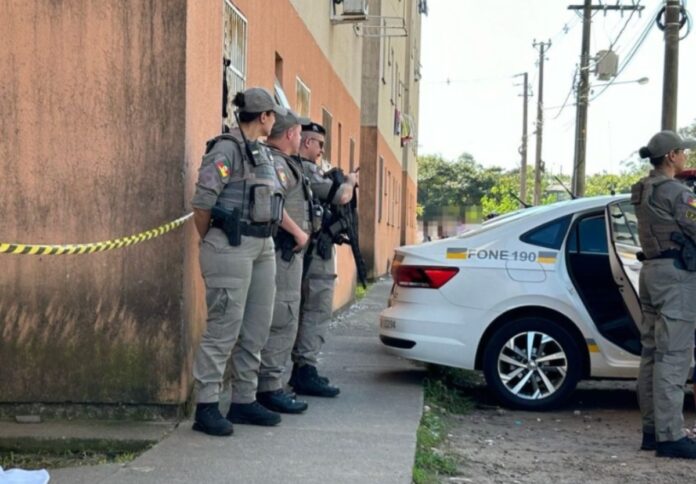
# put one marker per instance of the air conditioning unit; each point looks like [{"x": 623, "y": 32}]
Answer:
[{"x": 355, "y": 8}]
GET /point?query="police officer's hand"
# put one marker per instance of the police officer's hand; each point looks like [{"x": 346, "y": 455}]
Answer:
[{"x": 301, "y": 239}]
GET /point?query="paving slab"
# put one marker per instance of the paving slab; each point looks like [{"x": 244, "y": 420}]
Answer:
[{"x": 367, "y": 434}]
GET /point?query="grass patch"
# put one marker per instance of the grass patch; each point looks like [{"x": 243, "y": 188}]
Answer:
[
  {"x": 444, "y": 393},
  {"x": 53, "y": 460}
]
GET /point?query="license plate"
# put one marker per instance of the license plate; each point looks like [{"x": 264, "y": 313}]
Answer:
[{"x": 387, "y": 324}]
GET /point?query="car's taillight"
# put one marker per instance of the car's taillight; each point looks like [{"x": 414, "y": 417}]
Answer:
[{"x": 428, "y": 277}]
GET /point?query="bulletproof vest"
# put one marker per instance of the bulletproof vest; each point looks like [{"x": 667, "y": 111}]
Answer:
[
  {"x": 316, "y": 209},
  {"x": 655, "y": 222},
  {"x": 256, "y": 191},
  {"x": 297, "y": 197}
]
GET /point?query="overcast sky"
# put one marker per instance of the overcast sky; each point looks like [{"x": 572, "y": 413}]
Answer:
[{"x": 479, "y": 46}]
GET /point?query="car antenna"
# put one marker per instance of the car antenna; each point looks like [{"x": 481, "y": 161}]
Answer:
[
  {"x": 560, "y": 182},
  {"x": 522, "y": 202}
]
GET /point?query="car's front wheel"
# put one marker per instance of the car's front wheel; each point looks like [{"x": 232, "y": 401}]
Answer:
[{"x": 532, "y": 363}]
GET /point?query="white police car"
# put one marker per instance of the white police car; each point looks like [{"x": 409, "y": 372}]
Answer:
[{"x": 538, "y": 299}]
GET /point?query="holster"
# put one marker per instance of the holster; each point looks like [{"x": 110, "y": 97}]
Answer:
[
  {"x": 285, "y": 243},
  {"x": 687, "y": 253},
  {"x": 229, "y": 222}
]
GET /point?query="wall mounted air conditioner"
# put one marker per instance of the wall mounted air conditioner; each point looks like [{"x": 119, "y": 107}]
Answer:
[{"x": 353, "y": 8}]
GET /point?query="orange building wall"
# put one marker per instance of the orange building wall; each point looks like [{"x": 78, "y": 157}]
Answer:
[
  {"x": 379, "y": 235},
  {"x": 203, "y": 121},
  {"x": 92, "y": 104},
  {"x": 292, "y": 41}
]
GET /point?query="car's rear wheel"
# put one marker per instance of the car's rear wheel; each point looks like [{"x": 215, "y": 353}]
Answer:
[{"x": 532, "y": 363}]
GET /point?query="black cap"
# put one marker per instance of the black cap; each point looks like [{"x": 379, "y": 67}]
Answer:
[{"x": 314, "y": 128}]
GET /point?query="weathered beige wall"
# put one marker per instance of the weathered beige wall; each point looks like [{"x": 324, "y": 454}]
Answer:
[
  {"x": 92, "y": 104},
  {"x": 339, "y": 44}
]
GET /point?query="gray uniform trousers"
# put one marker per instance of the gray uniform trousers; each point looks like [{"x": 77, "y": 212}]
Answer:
[
  {"x": 239, "y": 293},
  {"x": 316, "y": 309},
  {"x": 286, "y": 315},
  {"x": 668, "y": 300}
]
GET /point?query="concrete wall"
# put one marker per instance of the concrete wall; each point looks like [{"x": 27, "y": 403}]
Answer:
[
  {"x": 389, "y": 84},
  {"x": 92, "y": 107}
]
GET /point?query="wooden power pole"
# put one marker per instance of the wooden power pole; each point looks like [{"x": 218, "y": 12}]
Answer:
[
  {"x": 671, "y": 69},
  {"x": 583, "y": 89},
  {"x": 523, "y": 147},
  {"x": 542, "y": 46}
]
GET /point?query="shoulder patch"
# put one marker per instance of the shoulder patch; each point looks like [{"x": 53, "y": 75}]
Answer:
[
  {"x": 691, "y": 201},
  {"x": 222, "y": 168}
]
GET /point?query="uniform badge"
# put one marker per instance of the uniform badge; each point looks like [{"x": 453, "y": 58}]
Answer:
[
  {"x": 283, "y": 177},
  {"x": 222, "y": 168},
  {"x": 691, "y": 201}
]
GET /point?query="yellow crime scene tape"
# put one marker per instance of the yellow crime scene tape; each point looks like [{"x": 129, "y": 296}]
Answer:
[{"x": 69, "y": 249}]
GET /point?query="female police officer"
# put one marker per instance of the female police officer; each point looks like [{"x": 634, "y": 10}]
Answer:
[
  {"x": 666, "y": 211},
  {"x": 237, "y": 207}
]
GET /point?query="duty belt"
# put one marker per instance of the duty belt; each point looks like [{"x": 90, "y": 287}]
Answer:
[
  {"x": 665, "y": 254},
  {"x": 260, "y": 231}
]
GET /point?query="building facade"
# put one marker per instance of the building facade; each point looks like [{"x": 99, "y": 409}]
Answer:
[{"x": 105, "y": 108}]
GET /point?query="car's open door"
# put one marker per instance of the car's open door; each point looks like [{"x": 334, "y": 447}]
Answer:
[{"x": 622, "y": 231}]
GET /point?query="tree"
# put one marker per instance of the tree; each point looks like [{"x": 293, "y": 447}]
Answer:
[{"x": 448, "y": 187}]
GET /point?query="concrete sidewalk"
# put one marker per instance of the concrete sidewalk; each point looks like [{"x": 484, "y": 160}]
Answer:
[{"x": 367, "y": 434}]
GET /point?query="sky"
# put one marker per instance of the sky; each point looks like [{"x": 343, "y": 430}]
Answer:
[{"x": 471, "y": 102}]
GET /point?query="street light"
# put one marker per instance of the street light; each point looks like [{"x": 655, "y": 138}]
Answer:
[{"x": 642, "y": 81}]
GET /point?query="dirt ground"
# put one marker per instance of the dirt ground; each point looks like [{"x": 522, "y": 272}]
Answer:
[{"x": 595, "y": 438}]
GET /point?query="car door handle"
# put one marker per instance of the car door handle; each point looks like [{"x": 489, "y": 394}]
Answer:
[{"x": 635, "y": 267}]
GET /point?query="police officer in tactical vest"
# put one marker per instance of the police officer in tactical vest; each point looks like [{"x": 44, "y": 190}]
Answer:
[
  {"x": 319, "y": 279},
  {"x": 666, "y": 212},
  {"x": 284, "y": 144},
  {"x": 238, "y": 205}
]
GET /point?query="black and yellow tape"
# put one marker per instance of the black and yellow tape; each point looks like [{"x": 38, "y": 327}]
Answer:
[{"x": 70, "y": 249}]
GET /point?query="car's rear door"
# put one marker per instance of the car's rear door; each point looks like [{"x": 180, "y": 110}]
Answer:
[{"x": 622, "y": 231}]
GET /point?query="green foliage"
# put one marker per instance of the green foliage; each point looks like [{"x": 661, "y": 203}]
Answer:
[
  {"x": 443, "y": 395},
  {"x": 447, "y": 187},
  {"x": 605, "y": 183},
  {"x": 690, "y": 132}
]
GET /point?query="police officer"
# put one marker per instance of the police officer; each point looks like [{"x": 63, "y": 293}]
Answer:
[
  {"x": 666, "y": 211},
  {"x": 284, "y": 143},
  {"x": 237, "y": 206},
  {"x": 319, "y": 279}
]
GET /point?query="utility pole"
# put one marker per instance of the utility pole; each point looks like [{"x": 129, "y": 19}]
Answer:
[
  {"x": 523, "y": 147},
  {"x": 583, "y": 89},
  {"x": 671, "y": 69},
  {"x": 542, "y": 46},
  {"x": 578, "y": 183}
]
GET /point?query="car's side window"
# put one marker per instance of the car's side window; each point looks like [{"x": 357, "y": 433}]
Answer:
[
  {"x": 589, "y": 236},
  {"x": 549, "y": 235},
  {"x": 624, "y": 224}
]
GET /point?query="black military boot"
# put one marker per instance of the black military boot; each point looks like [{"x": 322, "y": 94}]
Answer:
[
  {"x": 649, "y": 442},
  {"x": 210, "y": 421},
  {"x": 293, "y": 375},
  {"x": 684, "y": 448},
  {"x": 279, "y": 401},
  {"x": 253, "y": 414},
  {"x": 308, "y": 382}
]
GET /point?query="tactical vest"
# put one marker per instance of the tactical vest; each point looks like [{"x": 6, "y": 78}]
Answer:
[
  {"x": 316, "y": 209},
  {"x": 655, "y": 223},
  {"x": 256, "y": 191},
  {"x": 298, "y": 197}
]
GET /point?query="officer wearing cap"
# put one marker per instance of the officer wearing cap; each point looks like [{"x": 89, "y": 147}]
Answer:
[
  {"x": 284, "y": 144},
  {"x": 319, "y": 279},
  {"x": 666, "y": 212},
  {"x": 238, "y": 205}
]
